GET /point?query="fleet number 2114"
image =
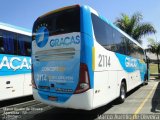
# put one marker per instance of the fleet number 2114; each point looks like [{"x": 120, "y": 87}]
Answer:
[{"x": 104, "y": 61}]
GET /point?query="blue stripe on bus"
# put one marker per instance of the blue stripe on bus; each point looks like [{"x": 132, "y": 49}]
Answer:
[
  {"x": 12, "y": 65},
  {"x": 130, "y": 64}
]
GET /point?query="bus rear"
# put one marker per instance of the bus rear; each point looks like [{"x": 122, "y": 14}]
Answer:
[{"x": 62, "y": 72}]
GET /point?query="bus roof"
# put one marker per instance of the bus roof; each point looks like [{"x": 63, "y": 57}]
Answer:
[{"x": 13, "y": 28}]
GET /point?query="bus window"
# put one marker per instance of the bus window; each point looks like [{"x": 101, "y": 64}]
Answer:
[
  {"x": 28, "y": 45},
  {"x": 23, "y": 45},
  {"x": 61, "y": 22},
  {"x": 119, "y": 43},
  {"x": 1, "y": 43},
  {"x": 8, "y": 42},
  {"x": 100, "y": 30},
  {"x": 106, "y": 36}
]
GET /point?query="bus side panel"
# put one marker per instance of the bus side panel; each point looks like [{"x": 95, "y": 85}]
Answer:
[
  {"x": 109, "y": 70},
  {"x": 106, "y": 82},
  {"x": 27, "y": 86},
  {"x": 12, "y": 70},
  {"x": 11, "y": 86},
  {"x": 134, "y": 68},
  {"x": 100, "y": 89},
  {"x": 134, "y": 79}
]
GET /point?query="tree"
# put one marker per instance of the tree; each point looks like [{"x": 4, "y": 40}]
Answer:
[
  {"x": 134, "y": 27},
  {"x": 154, "y": 47}
]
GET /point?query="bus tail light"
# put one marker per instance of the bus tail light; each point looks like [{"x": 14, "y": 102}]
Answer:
[
  {"x": 32, "y": 79},
  {"x": 84, "y": 80}
]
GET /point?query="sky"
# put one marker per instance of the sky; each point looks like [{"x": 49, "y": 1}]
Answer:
[{"x": 23, "y": 13}]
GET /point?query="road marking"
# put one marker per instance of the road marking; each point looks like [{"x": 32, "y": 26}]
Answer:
[{"x": 143, "y": 102}]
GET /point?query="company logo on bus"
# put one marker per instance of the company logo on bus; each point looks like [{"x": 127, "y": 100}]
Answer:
[
  {"x": 130, "y": 62},
  {"x": 14, "y": 63},
  {"x": 65, "y": 41},
  {"x": 42, "y": 35}
]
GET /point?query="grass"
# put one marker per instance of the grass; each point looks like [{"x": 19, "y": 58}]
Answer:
[{"x": 153, "y": 68}]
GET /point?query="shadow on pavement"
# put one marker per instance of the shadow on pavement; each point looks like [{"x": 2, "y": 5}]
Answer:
[
  {"x": 156, "y": 99},
  {"x": 71, "y": 114},
  {"x": 15, "y": 101}
]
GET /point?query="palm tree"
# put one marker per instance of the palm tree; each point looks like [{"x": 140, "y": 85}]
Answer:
[
  {"x": 154, "y": 47},
  {"x": 134, "y": 27}
]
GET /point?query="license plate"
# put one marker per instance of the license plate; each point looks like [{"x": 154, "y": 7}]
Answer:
[{"x": 52, "y": 98}]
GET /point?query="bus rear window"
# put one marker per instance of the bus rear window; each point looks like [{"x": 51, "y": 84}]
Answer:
[{"x": 61, "y": 22}]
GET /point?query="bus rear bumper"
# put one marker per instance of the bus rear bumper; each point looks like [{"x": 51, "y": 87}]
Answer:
[{"x": 82, "y": 101}]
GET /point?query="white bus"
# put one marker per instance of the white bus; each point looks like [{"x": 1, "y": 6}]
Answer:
[
  {"x": 82, "y": 61},
  {"x": 15, "y": 62}
]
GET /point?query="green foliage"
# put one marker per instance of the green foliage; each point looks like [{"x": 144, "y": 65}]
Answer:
[
  {"x": 154, "y": 47},
  {"x": 153, "y": 68},
  {"x": 134, "y": 27}
]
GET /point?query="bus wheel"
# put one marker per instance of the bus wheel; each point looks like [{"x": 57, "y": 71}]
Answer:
[
  {"x": 145, "y": 81},
  {"x": 122, "y": 96}
]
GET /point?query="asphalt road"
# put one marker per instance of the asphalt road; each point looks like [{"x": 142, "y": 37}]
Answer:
[{"x": 141, "y": 103}]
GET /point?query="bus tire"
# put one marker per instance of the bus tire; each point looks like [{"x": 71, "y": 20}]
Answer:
[
  {"x": 122, "y": 96},
  {"x": 145, "y": 80}
]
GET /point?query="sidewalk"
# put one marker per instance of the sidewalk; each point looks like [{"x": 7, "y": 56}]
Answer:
[{"x": 154, "y": 77}]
